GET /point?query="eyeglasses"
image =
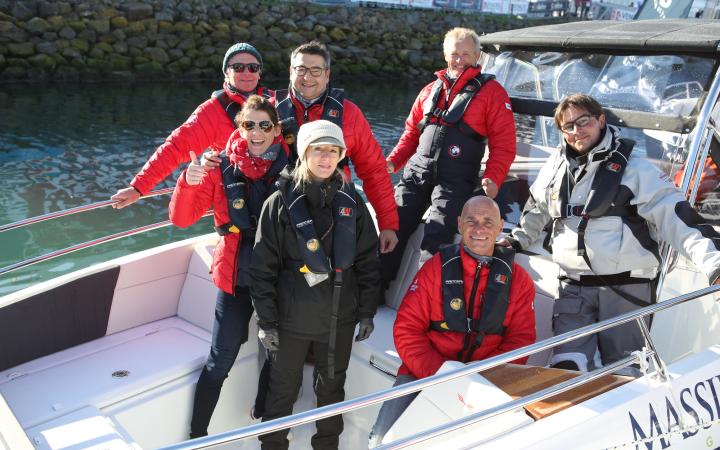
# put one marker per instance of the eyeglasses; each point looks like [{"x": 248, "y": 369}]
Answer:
[
  {"x": 580, "y": 122},
  {"x": 314, "y": 71},
  {"x": 240, "y": 67},
  {"x": 264, "y": 125}
]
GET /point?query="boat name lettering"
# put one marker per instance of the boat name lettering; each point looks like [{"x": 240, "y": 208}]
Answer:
[{"x": 700, "y": 404}]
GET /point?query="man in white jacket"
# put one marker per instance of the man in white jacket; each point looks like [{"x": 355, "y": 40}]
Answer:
[{"x": 606, "y": 210}]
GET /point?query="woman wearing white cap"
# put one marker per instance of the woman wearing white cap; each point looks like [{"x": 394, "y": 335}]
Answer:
[{"x": 315, "y": 276}]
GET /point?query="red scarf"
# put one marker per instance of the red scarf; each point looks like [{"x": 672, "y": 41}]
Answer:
[{"x": 252, "y": 166}]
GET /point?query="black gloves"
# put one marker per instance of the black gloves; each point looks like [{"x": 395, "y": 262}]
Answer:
[
  {"x": 270, "y": 339},
  {"x": 366, "y": 329}
]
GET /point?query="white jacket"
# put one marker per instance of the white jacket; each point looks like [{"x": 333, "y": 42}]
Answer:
[{"x": 610, "y": 242}]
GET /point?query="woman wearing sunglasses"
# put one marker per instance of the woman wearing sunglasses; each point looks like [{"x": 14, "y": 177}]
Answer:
[
  {"x": 315, "y": 275},
  {"x": 210, "y": 125},
  {"x": 236, "y": 190}
]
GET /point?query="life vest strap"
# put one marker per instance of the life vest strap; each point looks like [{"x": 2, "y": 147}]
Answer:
[
  {"x": 602, "y": 280},
  {"x": 332, "y": 337}
]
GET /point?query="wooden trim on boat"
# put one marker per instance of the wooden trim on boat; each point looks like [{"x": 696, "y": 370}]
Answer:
[{"x": 519, "y": 381}]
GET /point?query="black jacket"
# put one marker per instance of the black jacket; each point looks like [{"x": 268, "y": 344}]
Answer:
[{"x": 281, "y": 295}]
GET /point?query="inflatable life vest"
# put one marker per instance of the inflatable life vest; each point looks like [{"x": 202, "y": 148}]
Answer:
[
  {"x": 237, "y": 190},
  {"x": 443, "y": 130},
  {"x": 605, "y": 187},
  {"x": 231, "y": 107},
  {"x": 457, "y": 310},
  {"x": 310, "y": 247},
  {"x": 332, "y": 110},
  {"x": 459, "y": 105}
]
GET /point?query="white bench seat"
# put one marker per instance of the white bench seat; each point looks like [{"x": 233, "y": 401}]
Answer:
[{"x": 162, "y": 360}]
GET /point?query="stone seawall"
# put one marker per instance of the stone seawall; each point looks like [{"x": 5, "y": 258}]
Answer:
[{"x": 186, "y": 39}]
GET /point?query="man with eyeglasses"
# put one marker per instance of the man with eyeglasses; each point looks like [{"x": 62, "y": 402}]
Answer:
[
  {"x": 442, "y": 147},
  {"x": 605, "y": 210},
  {"x": 310, "y": 97},
  {"x": 210, "y": 125}
]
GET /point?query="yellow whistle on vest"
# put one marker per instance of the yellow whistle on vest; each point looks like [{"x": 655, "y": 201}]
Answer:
[
  {"x": 234, "y": 229},
  {"x": 304, "y": 269}
]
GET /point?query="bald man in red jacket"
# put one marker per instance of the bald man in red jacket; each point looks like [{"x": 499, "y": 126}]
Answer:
[{"x": 474, "y": 282}]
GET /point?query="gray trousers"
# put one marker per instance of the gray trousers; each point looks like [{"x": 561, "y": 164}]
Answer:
[
  {"x": 578, "y": 306},
  {"x": 390, "y": 412}
]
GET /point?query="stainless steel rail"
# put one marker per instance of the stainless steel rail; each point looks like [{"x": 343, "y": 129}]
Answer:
[
  {"x": 71, "y": 211},
  {"x": 698, "y": 148},
  {"x": 703, "y": 119},
  {"x": 84, "y": 245},
  {"x": 415, "y": 386}
]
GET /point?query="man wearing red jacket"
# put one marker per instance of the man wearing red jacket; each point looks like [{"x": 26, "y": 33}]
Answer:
[
  {"x": 210, "y": 125},
  {"x": 310, "y": 97},
  {"x": 463, "y": 285},
  {"x": 443, "y": 145}
]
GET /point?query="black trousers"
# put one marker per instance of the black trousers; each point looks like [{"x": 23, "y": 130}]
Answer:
[
  {"x": 286, "y": 373},
  {"x": 230, "y": 331},
  {"x": 414, "y": 194}
]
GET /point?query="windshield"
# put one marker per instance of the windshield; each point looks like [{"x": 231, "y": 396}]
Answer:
[
  {"x": 663, "y": 84},
  {"x": 659, "y": 84}
]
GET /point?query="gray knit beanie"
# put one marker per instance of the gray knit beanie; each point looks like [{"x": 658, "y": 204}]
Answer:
[{"x": 241, "y": 47}]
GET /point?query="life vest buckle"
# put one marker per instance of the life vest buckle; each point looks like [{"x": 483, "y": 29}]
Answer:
[{"x": 573, "y": 210}]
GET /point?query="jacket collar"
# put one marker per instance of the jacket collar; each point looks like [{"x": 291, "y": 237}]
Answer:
[
  {"x": 455, "y": 85},
  {"x": 601, "y": 151},
  {"x": 300, "y": 105},
  {"x": 235, "y": 95}
]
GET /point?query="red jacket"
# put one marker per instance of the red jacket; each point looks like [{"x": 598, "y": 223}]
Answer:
[
  {"x": 208, "y": 126},
  {"x": 489, "y": 114},
  {"x": 366, "y": 156},
  {"x": 189, "y": 203},
  {"x": 423, "y": 351}
]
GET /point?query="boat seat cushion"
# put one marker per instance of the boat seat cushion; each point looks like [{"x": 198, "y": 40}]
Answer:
[{"x": 197, "y": 298}]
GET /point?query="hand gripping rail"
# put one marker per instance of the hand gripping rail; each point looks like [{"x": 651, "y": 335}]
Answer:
[{"x": 415, "y": 386}]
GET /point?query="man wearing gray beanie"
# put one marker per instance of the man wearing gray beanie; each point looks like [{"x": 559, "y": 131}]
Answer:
[{"x": 210, "y": 125}]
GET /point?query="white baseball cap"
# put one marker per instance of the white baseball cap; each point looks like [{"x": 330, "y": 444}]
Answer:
[{"x": 320, "y": 132}]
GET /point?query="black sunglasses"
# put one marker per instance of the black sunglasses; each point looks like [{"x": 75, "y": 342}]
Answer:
[
  {"x": 264, "y": 125},
  {"x": 240, "y": 67}
]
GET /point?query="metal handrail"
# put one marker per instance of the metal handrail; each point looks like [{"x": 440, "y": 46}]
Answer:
[
  {"x": 415, "y": 386},
  {"x": 703, "y": 136},
  {"x": 71, "y": 211},
  {"x": 84, "y": 245},
  {"x": 703, "y": 117}
]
